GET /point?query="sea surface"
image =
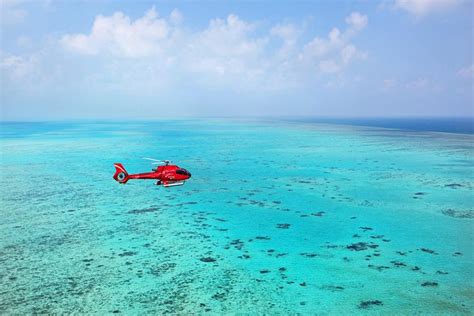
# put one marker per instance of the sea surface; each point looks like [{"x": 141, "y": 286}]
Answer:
[
  {"x": 278, "y": 218},
  {"x": 459, "y": 125}
]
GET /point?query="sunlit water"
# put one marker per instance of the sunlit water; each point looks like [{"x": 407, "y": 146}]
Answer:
[{"x": 277, "y": 218}]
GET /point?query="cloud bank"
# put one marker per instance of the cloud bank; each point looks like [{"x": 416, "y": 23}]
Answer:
[{"x": 229, "y": 50}]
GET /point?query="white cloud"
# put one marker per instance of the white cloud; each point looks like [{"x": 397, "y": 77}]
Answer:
[
  {"x": 29, "y": 71},
  {"x": 388, "y": 84},
  {"x": 289, "y": 34},
  {"x": 348, "y": 53},
  {"x": 11, "y": 12},
  {"x": 337, "y": 46},
  {"x": 424, "y": 7},
  {"x": 418, "y": 84},
  {"x": 357, "y": 20},
  {"x": 24, "y": 42},
  {"x": 16, "y": 67},
  {"x": 467, "y": 72},
  {"x": 329, "y": 66},
  {"x": 119, "y": 36},
  {"x": 176, "y": 17},
  {"x": 226, "y": 53},
  {"x": 229, "y": 37}
]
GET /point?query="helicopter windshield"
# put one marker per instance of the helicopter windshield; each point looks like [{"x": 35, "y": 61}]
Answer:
[{"x": 183, "y": 172}]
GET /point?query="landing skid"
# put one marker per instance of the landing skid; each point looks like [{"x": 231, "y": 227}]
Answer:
[{"x": 170, "y": 184}]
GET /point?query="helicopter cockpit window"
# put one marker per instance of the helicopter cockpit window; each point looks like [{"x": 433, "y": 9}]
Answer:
[{"x": 181, "y": 171}]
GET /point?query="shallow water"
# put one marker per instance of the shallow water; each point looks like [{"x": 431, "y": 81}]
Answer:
[{"x": 277, "y": 218}]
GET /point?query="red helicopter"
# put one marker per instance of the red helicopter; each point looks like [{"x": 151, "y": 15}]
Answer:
[{"x": 167, "y": 175}]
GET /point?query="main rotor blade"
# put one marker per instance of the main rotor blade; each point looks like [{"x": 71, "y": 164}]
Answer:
[{"x": 152, "y": 159}]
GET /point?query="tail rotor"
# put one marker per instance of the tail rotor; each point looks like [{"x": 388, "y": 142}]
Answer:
[{"x": 121, "y": 174}]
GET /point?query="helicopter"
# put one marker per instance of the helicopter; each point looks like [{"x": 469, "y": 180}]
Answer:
[{"x": 166, "y": 174}]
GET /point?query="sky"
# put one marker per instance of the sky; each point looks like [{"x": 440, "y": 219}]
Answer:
[{"x": 158, "y": 59}]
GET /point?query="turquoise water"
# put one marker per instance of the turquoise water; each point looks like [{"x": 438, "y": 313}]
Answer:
[{"x": 277, "y": 218}]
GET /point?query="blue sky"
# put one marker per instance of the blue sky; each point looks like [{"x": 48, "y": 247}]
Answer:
[{"x": 152, "y": 59}]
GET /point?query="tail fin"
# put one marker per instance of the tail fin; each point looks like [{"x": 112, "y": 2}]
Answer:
[{"x": 121, "y": 174}]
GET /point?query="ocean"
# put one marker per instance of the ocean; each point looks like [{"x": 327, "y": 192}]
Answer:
[
  {"x": 279, "y": 217},
  {"x": 458, "y": 125}
]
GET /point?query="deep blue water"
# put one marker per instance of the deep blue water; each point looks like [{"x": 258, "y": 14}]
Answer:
[{"x": 446, "y": 125}]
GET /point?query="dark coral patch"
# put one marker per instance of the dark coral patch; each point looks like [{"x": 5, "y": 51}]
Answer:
[
  {"x": 283, "y": 226},
  {"x": 378, "y": 268},
  {"x": 459, "y": 213},
  {"x": 359, "y": 246},
  {"x": 453, "y": 185},
  {"x": 432, "y": 252},
  {"x": 219, "y": 297},
  {"x": 207, "y": 259},
  {"x": 309, "y": 254},
  {"x": 368, "y": 304},
  {"x": 429, "y": 284},
  {"x": 237, "y": 243},
  {"x": 332, "y": 288},
  {"x": 127, "y": 253},
  {"x": 143, "y": 210},
  {"x": 162, "y": 268}
]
